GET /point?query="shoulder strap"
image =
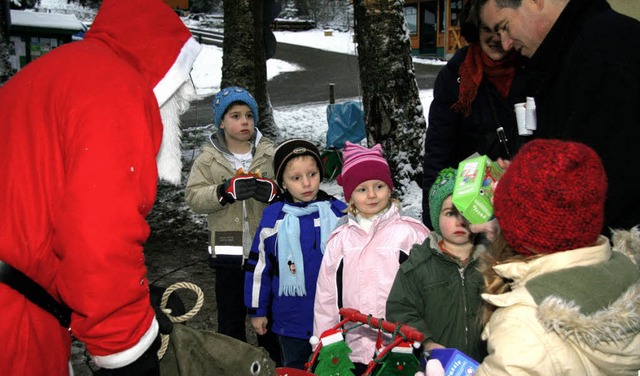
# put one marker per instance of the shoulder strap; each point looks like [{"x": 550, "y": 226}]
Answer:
[{"x": 502, "y": 136}]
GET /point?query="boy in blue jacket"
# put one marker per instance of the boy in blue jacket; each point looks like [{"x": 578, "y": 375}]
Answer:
[{"x": 287, "y": 251}]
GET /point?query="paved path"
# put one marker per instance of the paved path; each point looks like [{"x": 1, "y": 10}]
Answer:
[{"x": 311, "y": 85}]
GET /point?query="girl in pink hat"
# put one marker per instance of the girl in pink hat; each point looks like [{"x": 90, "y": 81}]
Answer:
[{"x": 364, "y": 253}]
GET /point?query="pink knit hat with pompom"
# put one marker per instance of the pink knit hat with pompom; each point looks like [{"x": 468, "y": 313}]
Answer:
[{"x": 361, "y": 164}]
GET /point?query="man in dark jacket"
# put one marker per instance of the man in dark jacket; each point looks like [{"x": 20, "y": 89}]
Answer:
[{"x": 586, "y": 83}]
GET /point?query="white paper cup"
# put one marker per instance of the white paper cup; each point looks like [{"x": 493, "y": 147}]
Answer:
[
  {"x": 530, "y": 118},
  {"x": 521, "y": 118}
]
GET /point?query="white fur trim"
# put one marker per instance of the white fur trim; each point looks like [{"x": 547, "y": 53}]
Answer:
[
  {"x": 613, "y": 323},
  {"x": 628, "y": 243},
  {"x": 328, "y": 340},
  {"x": 179, "y": 72},
  {"x": 403, "y": 349},
  {"x": 128, "y": 356}
]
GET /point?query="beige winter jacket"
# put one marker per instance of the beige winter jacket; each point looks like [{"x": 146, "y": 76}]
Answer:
[
  {"x": 569, "y": 313},
  {"x": 209, "y": 170}
]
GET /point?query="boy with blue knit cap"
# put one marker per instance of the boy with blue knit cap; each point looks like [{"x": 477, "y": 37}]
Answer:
[
  {"x": 231, "y": 182},
  {"x": 437, "y": 290}
]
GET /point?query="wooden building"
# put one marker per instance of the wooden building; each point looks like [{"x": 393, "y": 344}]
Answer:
[
  {"x": 434, "y": 27},
  {"x": 178, "y": 4},
  {"x": 33, "y": 34}
]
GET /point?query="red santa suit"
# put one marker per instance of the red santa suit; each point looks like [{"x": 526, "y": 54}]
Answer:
[{"x": 80, "y": 129}]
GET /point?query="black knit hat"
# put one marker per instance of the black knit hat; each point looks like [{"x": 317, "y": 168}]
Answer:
[{"x": 290, "y": 149}]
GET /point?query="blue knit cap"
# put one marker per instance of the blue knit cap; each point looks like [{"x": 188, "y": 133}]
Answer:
[{"x": 231, "y": 94}]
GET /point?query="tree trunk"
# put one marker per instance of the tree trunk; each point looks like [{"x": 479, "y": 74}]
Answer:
[
  {"x": 243, "y": 56},
  {"x": 393, "y": 111},
  {"x": 5, "y": 18}
]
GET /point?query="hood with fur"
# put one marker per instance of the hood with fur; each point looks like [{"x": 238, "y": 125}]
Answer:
[
  {"x": 610, "y": 334},
  {"x": 595, "y": 312},
  {"x": 613, "y": 323},
  {"x": 164, "y": 54}
]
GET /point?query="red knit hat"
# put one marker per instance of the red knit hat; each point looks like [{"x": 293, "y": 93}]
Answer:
[
  {"x": 551, "y": 198},
  {"x": 361, "y": 164}
]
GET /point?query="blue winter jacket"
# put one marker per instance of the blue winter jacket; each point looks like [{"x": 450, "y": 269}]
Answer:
[{"x": 292, "y": 316}]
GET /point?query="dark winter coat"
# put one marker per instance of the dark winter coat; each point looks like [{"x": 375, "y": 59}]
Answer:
[
  {"x": 587, "y": 77},
  {"x": 451, "y": 137},
  {"x": 440, "y": 297}
]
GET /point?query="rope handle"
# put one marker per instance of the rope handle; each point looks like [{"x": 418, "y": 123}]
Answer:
[
  {"x": 178, "y": 319},
  {"x": 193, "y": 311}
]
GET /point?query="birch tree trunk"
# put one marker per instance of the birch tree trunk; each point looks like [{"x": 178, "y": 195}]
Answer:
[
  {"x": 243, "y": 56},
  {"x": 5, "y": 68},
  {"x": 393, "y": 111}
]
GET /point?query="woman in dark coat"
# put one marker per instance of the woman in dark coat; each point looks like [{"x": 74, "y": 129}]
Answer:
[{"x": 474, "y": 96}]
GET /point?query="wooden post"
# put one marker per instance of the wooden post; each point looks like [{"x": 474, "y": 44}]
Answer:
[{"x": 332, "y": 96}]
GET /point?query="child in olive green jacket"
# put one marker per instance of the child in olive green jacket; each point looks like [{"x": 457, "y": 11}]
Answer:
[{"x": 437, "y": 289}]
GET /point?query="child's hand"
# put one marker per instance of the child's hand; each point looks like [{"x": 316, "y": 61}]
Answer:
[
  {"x": 240, "y": 187},
  {"x": 259, "y": 324},
  {"x": 490, "y": 229},
  {"x": 266, "y": 190},
  {"x": 430, "y": 345}
]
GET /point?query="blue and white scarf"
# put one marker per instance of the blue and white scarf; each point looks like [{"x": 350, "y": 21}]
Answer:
[{"x": 289, "y": 249}]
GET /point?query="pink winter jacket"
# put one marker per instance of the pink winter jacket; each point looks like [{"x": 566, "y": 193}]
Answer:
[{"x": 370, "y": 265}]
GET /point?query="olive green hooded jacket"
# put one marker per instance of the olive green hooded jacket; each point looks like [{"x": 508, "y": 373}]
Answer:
[{"x": 438, "y": 296}]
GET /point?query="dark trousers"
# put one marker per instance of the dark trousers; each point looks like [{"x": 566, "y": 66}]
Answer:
[
  {"x": 295, "y": 351},
  {"x": 232, "y": 313}
]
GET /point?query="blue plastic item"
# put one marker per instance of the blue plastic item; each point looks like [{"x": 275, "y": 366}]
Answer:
[
  {"x": 455, "y": 362},
  {"x": 346, "y": 123}
]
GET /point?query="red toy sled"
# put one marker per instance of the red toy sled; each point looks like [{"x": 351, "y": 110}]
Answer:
[{"x": 334, "y": 358}]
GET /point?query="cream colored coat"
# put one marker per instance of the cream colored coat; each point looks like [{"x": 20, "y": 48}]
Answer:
[
  {"x": 209, "y": 170},
  {"x": 537, "y": 334}
]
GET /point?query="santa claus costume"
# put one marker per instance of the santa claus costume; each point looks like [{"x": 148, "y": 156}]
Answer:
[{"x": 81, "y": 129}]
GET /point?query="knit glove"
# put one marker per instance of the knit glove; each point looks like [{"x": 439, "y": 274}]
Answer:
[
  {"x": 240, "y": 187},
  {"x": 266, "y": 190}
]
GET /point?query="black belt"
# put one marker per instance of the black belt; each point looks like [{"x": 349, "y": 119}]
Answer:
[{"x": 18, "y": 281}]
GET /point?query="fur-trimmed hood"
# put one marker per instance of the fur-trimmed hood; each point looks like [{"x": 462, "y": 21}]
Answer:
[
  {"x": 614, "y": 323},
  {"x": 595, "y": 312}
]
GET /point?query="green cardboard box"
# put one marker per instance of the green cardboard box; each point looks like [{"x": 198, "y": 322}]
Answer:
[{"x": 473, "y": 191}]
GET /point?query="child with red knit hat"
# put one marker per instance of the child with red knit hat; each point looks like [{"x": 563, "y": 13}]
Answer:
[
  {"x": 364, "y": 253},
  {"x": 560, "y": 300}
]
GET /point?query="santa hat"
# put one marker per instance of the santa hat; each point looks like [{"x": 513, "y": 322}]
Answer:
[
  {"x": 361, "y": 164},
  {"x": 290, "y": 149},
  {"x": 551, "y": 198},
  {"x": 440, "y": 190},
  {"x": 328, "y": 337},
  {"x": 164, "y": 55},
  {"x": 404, "y": 347},
  {"x": 228, "y": 96}
]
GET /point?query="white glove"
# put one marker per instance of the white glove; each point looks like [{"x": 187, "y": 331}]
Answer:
[{"x": 434, "y": 368}]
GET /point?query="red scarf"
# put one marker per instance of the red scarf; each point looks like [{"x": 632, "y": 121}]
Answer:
[{"x": 477, "y": 65}]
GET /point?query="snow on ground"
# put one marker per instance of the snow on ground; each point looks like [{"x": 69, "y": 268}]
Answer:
[{"x": 342, "y": 42}]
